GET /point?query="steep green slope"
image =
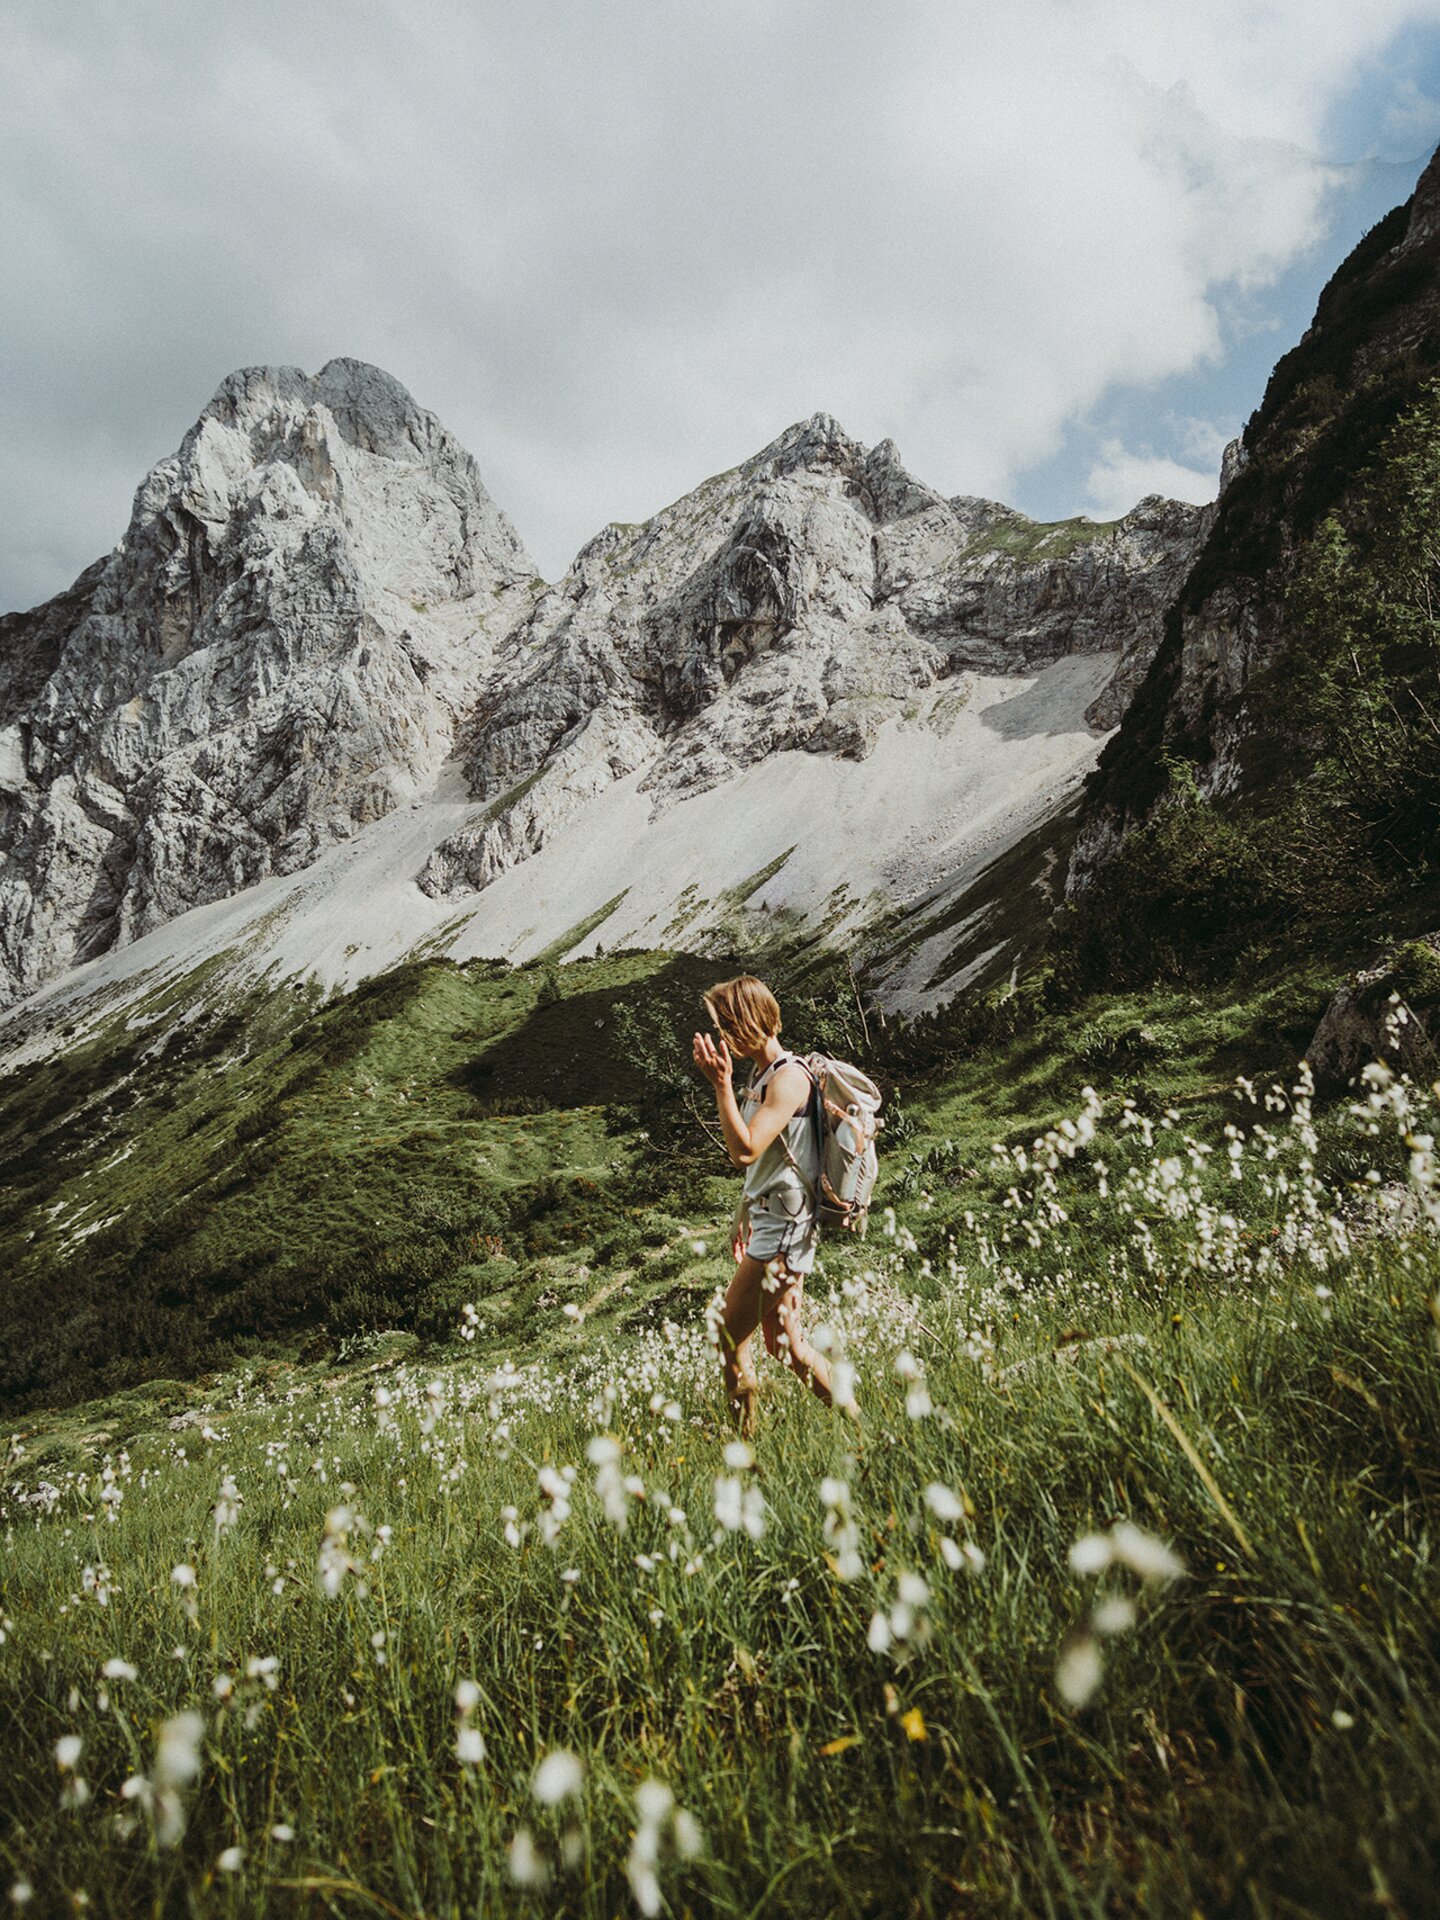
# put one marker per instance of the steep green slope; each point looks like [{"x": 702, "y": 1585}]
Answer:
[
  {"x": 1276, "y": 782},
  {"x": 189, "y": 1189},
  {"x": 197, "y": 1178}
]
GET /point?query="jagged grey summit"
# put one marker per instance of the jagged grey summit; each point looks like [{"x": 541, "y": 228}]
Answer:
[{"x": 318, "y": 614}]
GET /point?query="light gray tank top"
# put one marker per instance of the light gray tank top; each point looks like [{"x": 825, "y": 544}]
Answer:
[{"x": 772, "y": 1184}]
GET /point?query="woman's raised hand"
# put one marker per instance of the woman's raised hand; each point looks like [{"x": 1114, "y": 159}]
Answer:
[{"x": 713, "y": 1062}]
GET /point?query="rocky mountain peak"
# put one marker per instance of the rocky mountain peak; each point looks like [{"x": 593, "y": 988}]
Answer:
[
  {"x": 370, "y": 407},
  {"x": 279, "y": 651},
  {"x": 818, "y": 441},
  {"x": 279, "y": 445},
  {"x": 317, "y": 606},
  {"x": 820, "y": 446}
]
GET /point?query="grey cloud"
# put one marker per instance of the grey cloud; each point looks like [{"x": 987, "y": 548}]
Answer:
[{"x": 617, "y": 249}]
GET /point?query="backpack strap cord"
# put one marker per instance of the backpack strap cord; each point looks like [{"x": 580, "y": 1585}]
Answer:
[{"x": 814, "y": 1106}]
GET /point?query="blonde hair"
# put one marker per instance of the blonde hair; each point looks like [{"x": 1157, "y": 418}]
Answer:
[{"x": 744, "y": 1009}]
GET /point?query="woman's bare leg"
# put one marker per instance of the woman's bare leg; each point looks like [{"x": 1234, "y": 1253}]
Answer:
[
  {"x": 785, "y": 1337},
  {"x": 738, "y": 1320}
]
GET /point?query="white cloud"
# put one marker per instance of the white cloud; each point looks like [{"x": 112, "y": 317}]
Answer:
[
  {"x": 1412, "y": 119},
  {"x": 618, "y": 249},
  {"x": 1119, "y": 478}
]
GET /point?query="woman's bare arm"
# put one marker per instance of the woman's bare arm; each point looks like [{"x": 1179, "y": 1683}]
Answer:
[{"x": 784, "y": 1097}]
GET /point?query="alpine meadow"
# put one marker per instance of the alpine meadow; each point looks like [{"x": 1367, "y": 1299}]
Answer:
[{"x": 378, "y": 1539}]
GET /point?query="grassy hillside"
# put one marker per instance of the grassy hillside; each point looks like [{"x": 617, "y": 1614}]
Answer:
[
  {"x": 200, "y": 1181},
  {"x": 199, "y": 1178},
  {"x": 367, "y": 1450},
  {"x": 1119, "y": 1598}
]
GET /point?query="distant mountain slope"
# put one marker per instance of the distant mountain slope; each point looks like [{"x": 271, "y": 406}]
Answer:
[
  {"x": 813, "y": 682},
  {"x": 801, "y": 601}
]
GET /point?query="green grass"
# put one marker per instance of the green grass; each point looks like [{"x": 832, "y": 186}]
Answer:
[
  {"x": 309, "y": 1196},
  {"x": 1031, "y": 542},
  {"x": 1265, "y": 1738},
  {"x": 181, "y": 1192}
]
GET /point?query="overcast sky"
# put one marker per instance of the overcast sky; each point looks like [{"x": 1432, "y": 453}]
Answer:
[{"x": 1052, "y": 247}]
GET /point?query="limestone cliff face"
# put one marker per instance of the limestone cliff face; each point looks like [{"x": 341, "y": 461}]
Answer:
[
  {"x": 317, "y": 605},
  {"x": 302, "y": 608},
  {"x": 1374, "y": 340},
  {"x": 796, "y": 602}
]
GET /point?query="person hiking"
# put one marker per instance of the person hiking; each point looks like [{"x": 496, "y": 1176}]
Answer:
[{"x": 770, "y": 1133}]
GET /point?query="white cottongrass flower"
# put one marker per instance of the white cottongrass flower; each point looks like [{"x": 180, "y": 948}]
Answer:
[
  {"x": 68, "y": 1749},
  {"x": 603, "y": 1453},
  {"x": 183, "y": 1575},
  {"x": 527, "y": 1863},
  {"x": 739, "y": 1508},
  {"x": 842, "y": 1383},
  {"x": 21, "y": 1892},
  {"x": 1143, "y": 1554},
  {"x": 739, "y": 1456},
  {"x": 1079, "y": 1670},
  {"x": 469, "y": 1741},
  {"x": 1129, "y": 1546},
  {"x": 655, "y": 1809},
  {"x": 841, "y": 1533},
  {"x": 653, "y": 1801},
  {"x": 1113, "y": 1615},
  {"x": 283, "y": 1832},
  {"x": 559, "y": 1775},
  {"x": 962, "y": 1554},
  {"x": 177, "y": 1750},
  {"x": 176, "y": 1765},
  {"x": 117, "y": 1669},
  {"x": 944, "y": 1504},
  {"x": 335, "y": 1558},
  {"x": 227, "y": 1506},
  {"x": 1091, "y": 1553},
  {"x": 231, "y": 1860}
]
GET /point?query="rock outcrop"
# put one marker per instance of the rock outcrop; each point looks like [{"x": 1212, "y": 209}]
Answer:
[
  {"x": 317, "y": 606},
  {"x": 1374, "y": 343},
  {"x": 301, "y": 611},
  {"x": 1387, "y": 1012}
]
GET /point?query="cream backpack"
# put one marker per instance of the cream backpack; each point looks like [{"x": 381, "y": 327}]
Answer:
[{"x": 845, "y": 1108}]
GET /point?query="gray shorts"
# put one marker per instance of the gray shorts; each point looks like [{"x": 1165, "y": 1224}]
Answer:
[{"x": 778, "y": 1234}]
